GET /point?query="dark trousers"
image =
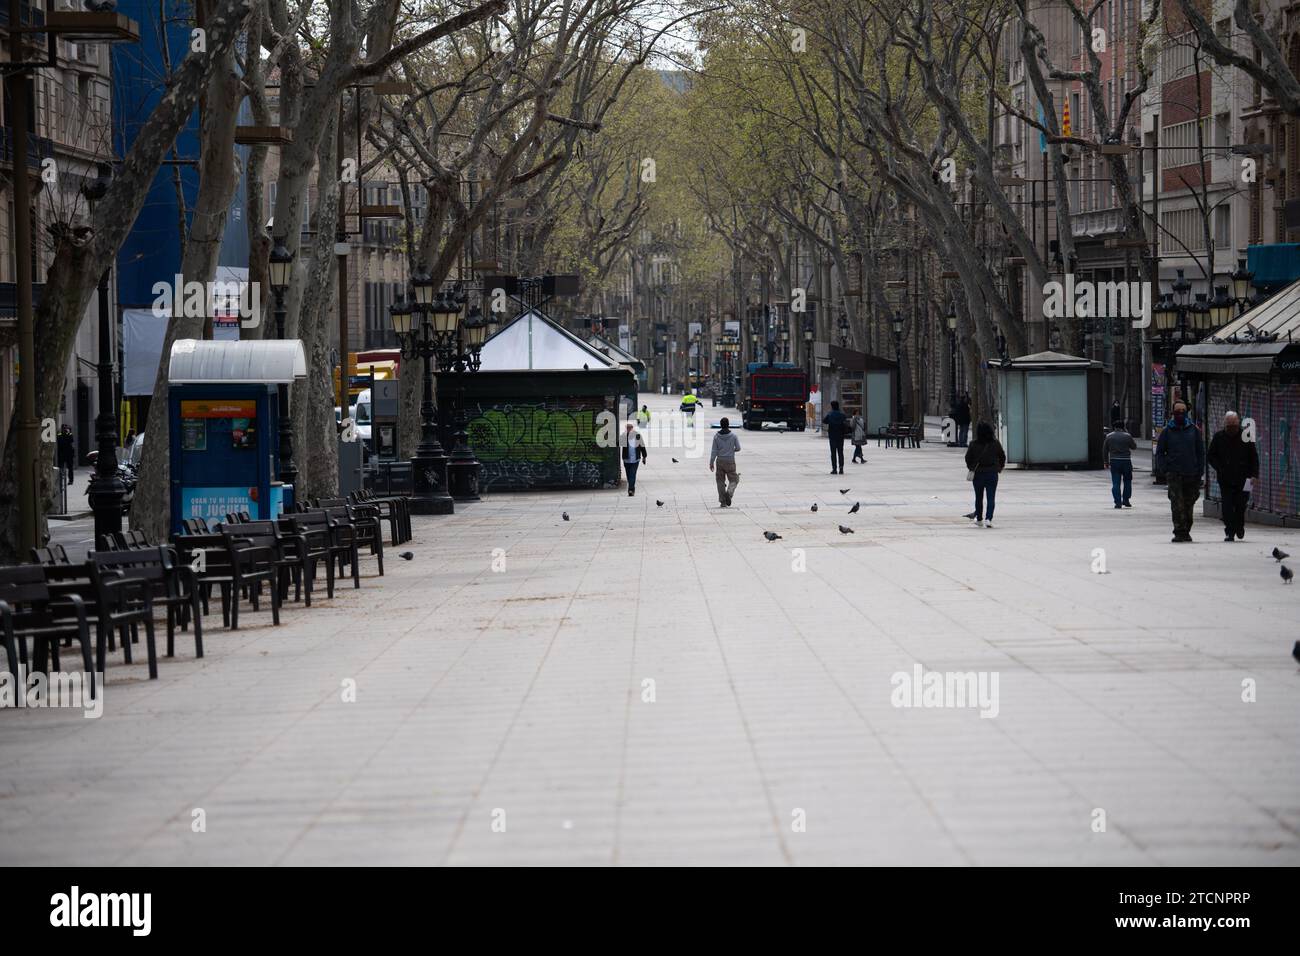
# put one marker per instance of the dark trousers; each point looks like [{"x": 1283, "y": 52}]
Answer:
[
  {"x": 857, "y": 452},
  {"x": 1121, "y": 472},
  {"x": 66, "y": 465},
  {"x": 963, "y": 431},
  {"x": 837, "y": 454},
  {"x": 1184, "y": 490},
  {"x": 1234, "y": 510},
  {"x": 986, "y": 482},
  {"x": 630, "y": 467}
]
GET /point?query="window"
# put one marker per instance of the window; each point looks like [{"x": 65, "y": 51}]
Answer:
[
  {"x": 1184, "y": 228},
  {"x": 1176, "y": 58},
  {"x": 1178, "y": 143}
]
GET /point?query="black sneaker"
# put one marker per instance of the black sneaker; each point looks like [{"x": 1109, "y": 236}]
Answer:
[
  {"x": 1127, "y": 505},
  {"x": 1228, "y": 538},
  {"x": 1117, "y": 507}
]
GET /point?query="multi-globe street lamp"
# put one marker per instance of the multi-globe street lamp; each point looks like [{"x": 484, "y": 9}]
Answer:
[
  {"x": 280, "y": 269},
  {"x": 419, "y": 339},
  {"x": 459, "y": 355}
]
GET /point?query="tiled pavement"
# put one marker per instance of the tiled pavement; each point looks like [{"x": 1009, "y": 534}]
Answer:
[{"x": 485, "y": 696}]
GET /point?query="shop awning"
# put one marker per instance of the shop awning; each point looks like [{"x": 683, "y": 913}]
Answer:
[
  {"x": 270, "y": 362},
  {"x": 1275, "y": 265}
]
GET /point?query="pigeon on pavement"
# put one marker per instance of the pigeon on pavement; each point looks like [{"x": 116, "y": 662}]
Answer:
[
  {"x": 854, "y": 509},
  {"x": 659, "y": 503},
  {"x": 1279, "y": 555},
  {"x": 675, "y": 461},
  {"x": 565, "y": 515},
  {"x": 844, "y": 530},
  {"x": 814, "y": 507},
  {"x": 771, "y": 535},
  {"x": 1287, "y": 574},
  {"x": 845, "y": 491},
  {"x": 1295, "y": 651},
  {"x": 406, "y": 555}
]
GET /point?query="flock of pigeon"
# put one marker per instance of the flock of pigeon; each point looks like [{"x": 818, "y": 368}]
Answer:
[{"x": 844, "y": 529}]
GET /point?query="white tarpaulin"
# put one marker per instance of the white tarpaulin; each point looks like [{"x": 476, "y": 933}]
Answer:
[
  {"x": 532, "y": 341},
  {"x": 142, "y": 342}
]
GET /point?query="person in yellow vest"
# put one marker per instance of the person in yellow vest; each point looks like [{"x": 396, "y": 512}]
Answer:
[
  {"x": 643, "y": 416},
  {"x": 689, "y": 401}
]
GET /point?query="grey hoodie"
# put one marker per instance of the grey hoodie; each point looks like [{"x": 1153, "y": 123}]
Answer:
[{"x": 725, "y": 446}]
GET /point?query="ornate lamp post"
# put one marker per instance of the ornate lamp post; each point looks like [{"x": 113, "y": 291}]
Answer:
[
  {"x": 951, "y": 320},
  {"x": 106, "y": 492},
  {"x": 460, "y": 354},
  {"x": 897, "y": 324},
  {"x": 699, "y": 358},
  {"x": 418, "y": 339},
  {"x": 809, "y": 333},
  {"x": 843, "y": 327},
  {"x": 785, "y": 344},
  {"x": 281, "y": 270},
  {"x": 663, "y": 350},
  {"x": 1242, "y": 280}
]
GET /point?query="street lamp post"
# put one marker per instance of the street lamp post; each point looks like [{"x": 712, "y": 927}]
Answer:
[
  {"x": 952, "y": 353},
  {"x": 809, "y": 333},
  {"x": 459, "y": 357},
  {"x": 106, "y": 492},
  {"x": 843, "y": 326},
  {"x": 281, "y": 269},
  {"x": 663, "y": 350},
  {"x": 429, "y": 464},
  {"x": 898, "y": 360}
]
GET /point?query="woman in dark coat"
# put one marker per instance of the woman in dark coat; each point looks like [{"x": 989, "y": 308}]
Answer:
[{"x": 985, "y": 460}]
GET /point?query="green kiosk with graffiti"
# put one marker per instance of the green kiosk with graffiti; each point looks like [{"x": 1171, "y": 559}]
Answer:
[{"x": 535, "y": 409}]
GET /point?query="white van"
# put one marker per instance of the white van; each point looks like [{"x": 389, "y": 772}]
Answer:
[{"x": 361, "y": 415}]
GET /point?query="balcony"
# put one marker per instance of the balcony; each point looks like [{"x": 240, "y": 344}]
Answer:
[{"x": 38, "y": 148}]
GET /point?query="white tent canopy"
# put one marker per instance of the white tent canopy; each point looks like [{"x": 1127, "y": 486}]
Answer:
[
  {"x": 270, "y": 362},
  {"x": 533, "y": 341}
]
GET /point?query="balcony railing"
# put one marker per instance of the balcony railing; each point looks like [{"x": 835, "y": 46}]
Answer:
[{"x": 38, "y": 148}]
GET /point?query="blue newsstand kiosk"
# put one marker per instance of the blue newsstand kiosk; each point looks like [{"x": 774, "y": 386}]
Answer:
[{"x": 224, "y": 427}]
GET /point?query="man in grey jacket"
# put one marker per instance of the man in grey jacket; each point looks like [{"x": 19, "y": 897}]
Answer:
[
  {"x": 723, "y": 453},
  {"x": 1117, "y": 454}
]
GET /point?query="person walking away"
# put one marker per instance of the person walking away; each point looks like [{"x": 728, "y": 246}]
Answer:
[
  {"x": 1117, "y": 453},
  {"x": 689, "y": 401},
  {"x": 961, "y": 416},
  {"x": 66, "y": 451},
  {"x": 836, "y": 423},
  {"x": 859, "y": 426},
  {"x": 985, "y": 460},
  {"x": 1180, "y": 455},
  {"x": 633, "y": 455},
  {"x": 723, "y": 454},
  {"x": 1236, "y": 464},
  {"x": 643, "y": 417}
]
